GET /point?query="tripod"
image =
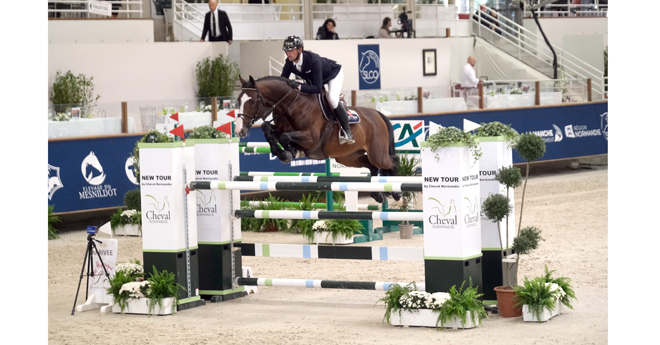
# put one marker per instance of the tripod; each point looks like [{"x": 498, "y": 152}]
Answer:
[{"x": 90, "y": 268}]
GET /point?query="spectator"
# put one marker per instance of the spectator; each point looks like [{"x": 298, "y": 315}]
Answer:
[
  {"x": 327, "y": 30},
  {"x": 316, "y": 71},
  {"x": 384, "y": 31},
  {"x": 115, "y": 7},
  {"x": 468, "y": 76},
  {"x": 216, "y": 24},
  {"x": 485, "y": 15}
]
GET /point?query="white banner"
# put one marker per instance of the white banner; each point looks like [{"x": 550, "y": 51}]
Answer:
[
  {"x": 99, "y": 283},
  {"x": 213, "y": 206},
  {"x": 98, "y": 7},
  {"x": 336, "y": 167},
  {"x": 162, "y": 192},
  {"x": 495, "y": 155},
  {"x": 452, "y": 226}
]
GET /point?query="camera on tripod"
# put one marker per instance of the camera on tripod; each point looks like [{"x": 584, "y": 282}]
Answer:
[{"x": 406, "y": 24}]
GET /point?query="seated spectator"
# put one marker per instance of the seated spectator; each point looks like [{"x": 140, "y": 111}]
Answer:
[
  {"x": 384, "y": 31},
  {"x": 327, "y": 30}
]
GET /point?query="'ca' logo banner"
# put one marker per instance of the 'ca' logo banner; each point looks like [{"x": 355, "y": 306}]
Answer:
[{"x": 369, "y": 66}]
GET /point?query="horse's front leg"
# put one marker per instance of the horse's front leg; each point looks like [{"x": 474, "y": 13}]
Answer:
[
  {"x": 303, "y": 139},
  {"x": 284, "y": 156}
]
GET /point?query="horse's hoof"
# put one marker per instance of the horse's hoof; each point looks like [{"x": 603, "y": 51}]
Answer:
[
  {"x": 396, "y": 196},
  {"x": 378, "y": 197},
  {"x": 285, "y": 157}
]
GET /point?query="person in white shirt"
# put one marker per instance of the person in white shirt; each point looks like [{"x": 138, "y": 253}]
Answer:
[{"x": 468, "y": 76}]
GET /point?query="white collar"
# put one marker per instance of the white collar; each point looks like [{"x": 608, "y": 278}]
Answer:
[{"x": 300, "y": 61}]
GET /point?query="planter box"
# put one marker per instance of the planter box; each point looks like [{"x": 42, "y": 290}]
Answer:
[
  {"x": 130, "y": 230},
  {"x": 545, "y": 314},
  {"x": 139, "y": 306},
  {"x": 326, "y": 237},
  {"x": 427, "y": 318}
]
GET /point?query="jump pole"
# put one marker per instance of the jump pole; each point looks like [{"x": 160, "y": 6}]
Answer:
[
  {"x": 323, "y": 284},
  {"x": 306, "y": 187}
]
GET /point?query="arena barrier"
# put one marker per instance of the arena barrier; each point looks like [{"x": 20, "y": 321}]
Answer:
[{"x": 306, "y": 187}]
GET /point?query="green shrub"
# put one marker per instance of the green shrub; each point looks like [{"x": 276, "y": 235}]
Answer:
[
  {"x": 216, "y": 77},
  {"x": 71, "y": 90},
  {"x": 132, "y": 199}
]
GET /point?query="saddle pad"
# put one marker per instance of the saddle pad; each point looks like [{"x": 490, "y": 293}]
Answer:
[{"x": 353, "y": 116}]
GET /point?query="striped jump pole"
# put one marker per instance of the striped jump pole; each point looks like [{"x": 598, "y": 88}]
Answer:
[
  {"x": 306, "y": 187},
  {"x": 322, "y": 284},
  {"x": 305, "y": 179},
  {"x": 263, "y": 214},
  {"x": 318, "y": 205},
  {"x": 270, "y": 173}
]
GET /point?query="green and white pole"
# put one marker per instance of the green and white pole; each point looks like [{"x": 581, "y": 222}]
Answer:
[
  {"x": 169, "y": 240},
  {"x": 452, "y": 225}
]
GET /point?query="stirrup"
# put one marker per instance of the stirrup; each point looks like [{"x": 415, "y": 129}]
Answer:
[{"x": 345, "y": 139}]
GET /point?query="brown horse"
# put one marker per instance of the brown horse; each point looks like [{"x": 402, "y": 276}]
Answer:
[{"x": 299, "y": 125}]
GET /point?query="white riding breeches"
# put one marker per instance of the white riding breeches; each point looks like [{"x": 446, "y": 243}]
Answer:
[{"x": 334, "y": 88}]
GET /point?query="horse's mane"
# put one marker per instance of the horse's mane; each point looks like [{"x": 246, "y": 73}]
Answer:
[{"x": 272, "y": 77}]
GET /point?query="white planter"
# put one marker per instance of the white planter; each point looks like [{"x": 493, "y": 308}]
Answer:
[
  {"x": 427, "y": 318},
  {"x": 545, "y": 314},
  {"x": 326, "y": 237},
  {"x": 139, "y": 306},
  {"x": 130, "y": 230}
]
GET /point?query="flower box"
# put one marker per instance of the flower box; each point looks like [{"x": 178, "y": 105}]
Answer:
[
  {"x": 326, "y": 237},
  {"x": 129, "y": 229},
  {"x": 545, "y": 314},
  {"x": 139, "y": 306},
  {"x": 427, "y": 318}
]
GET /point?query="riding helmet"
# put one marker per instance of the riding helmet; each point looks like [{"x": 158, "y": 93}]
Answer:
[{"x": 292, "y": 42}]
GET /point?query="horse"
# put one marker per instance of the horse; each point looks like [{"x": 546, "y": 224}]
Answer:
[{"x": 299, "y": 126}]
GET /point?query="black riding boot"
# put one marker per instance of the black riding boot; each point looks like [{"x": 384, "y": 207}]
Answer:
[{"x": 342, "y": 116}]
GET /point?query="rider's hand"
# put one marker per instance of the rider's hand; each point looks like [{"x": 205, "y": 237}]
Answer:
[{"x": 294, "y": 84}]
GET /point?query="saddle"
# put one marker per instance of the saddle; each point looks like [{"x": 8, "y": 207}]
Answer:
[{"x": 318, "y": 151}]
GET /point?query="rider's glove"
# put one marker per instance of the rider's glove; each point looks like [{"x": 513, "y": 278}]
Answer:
[{"x": 294, "y": 84}]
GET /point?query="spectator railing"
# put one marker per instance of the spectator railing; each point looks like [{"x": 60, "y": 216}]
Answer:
[
  {"x": 594, "y": 9},
  {"x": 80, "y": 9},
  {"x": 433, "y": 19},
  {"x": 357, "y": 20},
  {"x": 534, "y": 46}
]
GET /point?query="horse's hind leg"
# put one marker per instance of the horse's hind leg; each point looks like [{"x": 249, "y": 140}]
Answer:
[{"x": 359, "y": 160}]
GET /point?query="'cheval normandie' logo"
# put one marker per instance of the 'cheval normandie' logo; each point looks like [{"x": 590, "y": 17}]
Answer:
[{"x": 158, "y": 211}]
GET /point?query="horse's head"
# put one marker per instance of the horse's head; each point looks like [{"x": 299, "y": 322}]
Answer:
[{"x": 251, "y": 107}]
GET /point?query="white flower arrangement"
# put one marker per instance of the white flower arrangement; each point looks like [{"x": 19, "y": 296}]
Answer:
[
  {"x": 127, "y": 217},
  {"x": 129, "y": 268},
  {"x": 61, "y": 117},
  {"x": 423, "y": 300},
  {"x": 136, "y": 289},
  {"x": 320, "y": 226},
  {"x": 559, "y": 291}
]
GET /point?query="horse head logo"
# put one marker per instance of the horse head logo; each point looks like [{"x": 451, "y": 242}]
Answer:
[
  {"x": 54, "y": 181},
  {"x": 129, "y": 167},
  {"x": 369, "y": 67},
  {"x": 202, "y": 198},
  {"x": 603, "y": 124},
  {"x": 157, "y": 205},
  {"x": 558, "y": 134},
  {"x": 441, "y": 207},
  {"x": 471, "y": 207},
  {"x": 92, "y": 170}
]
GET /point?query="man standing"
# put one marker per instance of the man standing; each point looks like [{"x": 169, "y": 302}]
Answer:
[
  {"x": 216, "y": 24},
  {"x": 316, "y": 71},
  {"x": 468, "y": 76}
]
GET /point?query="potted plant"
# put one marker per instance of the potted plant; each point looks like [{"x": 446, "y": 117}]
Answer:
[
  {"x": 333, "y": 230},
  {"x": 216, "y": 77},
  {"x": 530, "y": 147},
  {"x": 542, "y": 298},
  {"x": 406, "y": 306},
  {"x": 133, "y": 294},
  {"x": 304, "y": 225},
  {"x": 127, "y": 222},
  {"x": 496, "y": 207},
  {"x": 133, "y": 199},
  {"x": 72, "y": 90},
  {"x": 272, "y": 203},
  {"x": 207, "y": 132},
  {"x": 52, "y": 232},
  {"x": 498, "y": 129},
  {"x": 407, "y": 167},
  {"x": 452, "y": 136}
]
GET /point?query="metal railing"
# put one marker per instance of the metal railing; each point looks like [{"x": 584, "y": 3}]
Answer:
[
  {"x": 434, "y": 18},
  {"x": 249, "y": 21},
  {"x": 530, "y": 48},
  {"x": 571, "y": 10},
  {"x": 357, "y": 20},
  {"x": 79, "y": 9},
  {"x": 273, "y": 65}
]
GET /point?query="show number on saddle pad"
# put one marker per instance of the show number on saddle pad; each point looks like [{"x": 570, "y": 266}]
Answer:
[
  {"x": 408, "y": 134},
  {"x": 353, "y": 117}
]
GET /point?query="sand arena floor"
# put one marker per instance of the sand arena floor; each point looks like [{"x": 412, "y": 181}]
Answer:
[{"x": 570, "y": 208}]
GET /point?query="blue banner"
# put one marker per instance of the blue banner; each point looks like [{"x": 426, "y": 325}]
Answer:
[
  {"x": 90, "y": 174},
  {"x": 95, "y": 173},
  {"x": 369, "y": 66}
]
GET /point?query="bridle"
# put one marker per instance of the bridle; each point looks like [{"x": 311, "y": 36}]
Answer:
[{"x": 260, "y": 101}]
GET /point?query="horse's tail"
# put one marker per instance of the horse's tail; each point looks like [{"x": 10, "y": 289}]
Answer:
[{"x": 392, "y": 148}]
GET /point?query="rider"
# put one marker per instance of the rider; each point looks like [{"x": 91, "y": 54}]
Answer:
[{"x": 316, "y": 71}]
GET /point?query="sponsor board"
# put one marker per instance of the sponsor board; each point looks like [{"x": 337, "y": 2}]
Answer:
[
  {"x": 98, "y": 283},
  {"x": 408, "y": 134},
  {"x": 369, "y": 66}
]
